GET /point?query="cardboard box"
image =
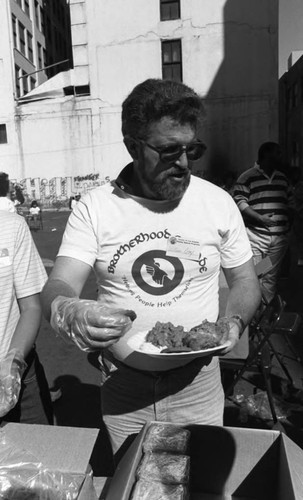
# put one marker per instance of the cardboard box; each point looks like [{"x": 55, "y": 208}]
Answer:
[
  {"x": 228, "y": 463},
  {"x": 63, "y": 449}
]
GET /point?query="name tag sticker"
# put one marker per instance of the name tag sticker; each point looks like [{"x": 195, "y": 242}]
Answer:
[
  {"x": 183, "y": 248},
  {"x": 4, "y": 257}
]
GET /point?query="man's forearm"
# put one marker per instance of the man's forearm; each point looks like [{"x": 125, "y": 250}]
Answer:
[
  {"x": 244, "y": 299},
  {"x": 27, "y": 328},
  {"x": 51, "y": 290},
  {"x": 251, "y": 216}
]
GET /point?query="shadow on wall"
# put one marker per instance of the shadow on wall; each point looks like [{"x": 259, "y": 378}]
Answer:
[{"x": 242, "y": 102}]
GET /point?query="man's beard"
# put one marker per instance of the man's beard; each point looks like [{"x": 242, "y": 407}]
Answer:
[{"x": 167, "y": 188}]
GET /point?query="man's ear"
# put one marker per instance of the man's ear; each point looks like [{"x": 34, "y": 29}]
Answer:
[{"x": 131, "y": 146}]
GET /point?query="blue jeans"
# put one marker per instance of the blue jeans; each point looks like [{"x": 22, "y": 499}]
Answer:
[
  {"x": 34, "y": 405},
  {"x": 191, "y": 394}
]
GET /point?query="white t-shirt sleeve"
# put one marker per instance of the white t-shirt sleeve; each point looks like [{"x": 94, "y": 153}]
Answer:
[
  {"x": 79, "y": 239},
  {"x": 29, "y": 272},
  {"x": 235, "y": 246}
]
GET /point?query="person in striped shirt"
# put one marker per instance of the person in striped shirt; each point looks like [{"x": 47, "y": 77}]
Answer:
[
  {"x": 24, "y": 392},
  {"x": 263, "y": 195}
]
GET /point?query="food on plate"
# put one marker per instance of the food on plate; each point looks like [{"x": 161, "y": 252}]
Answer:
[
  {"x": 166, "y": 437},
  {"x": 172, "y": 338},
  {"x": 148, "y": 490},
  {"x": 207, "y": 335},
  {"x": 166, "y": 335},
  {"x": 167, "y": 468}
]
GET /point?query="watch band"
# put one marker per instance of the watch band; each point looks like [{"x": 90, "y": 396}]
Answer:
[{"x": 239, "y": 321}]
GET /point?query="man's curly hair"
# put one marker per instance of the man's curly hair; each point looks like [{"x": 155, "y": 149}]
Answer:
[{"x": 153, "y": 99}]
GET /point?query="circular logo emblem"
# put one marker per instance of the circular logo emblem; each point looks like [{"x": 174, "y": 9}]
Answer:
[{"x": 156, "y": 273}]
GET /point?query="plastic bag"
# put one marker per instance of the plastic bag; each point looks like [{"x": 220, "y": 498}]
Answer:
[
  {"x": 23, "y": 477},
  {"x": 11, "y": 370},
  {"x": 257, "y": 405}
]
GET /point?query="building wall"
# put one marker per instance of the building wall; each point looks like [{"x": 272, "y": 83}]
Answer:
[
  {"x": 229, "y": 54},
  {"x": 20, "y": 65},
  {"x": 291, "y": 114},
  {"x": 28, "y": 17},
  {"x": 8, "y": 151}
]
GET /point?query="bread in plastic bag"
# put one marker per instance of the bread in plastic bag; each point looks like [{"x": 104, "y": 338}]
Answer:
[
  {"x": 164, "y": 467},
  {"x": 146, "y": 490},
  {"x": 166, "y": 437},
  {"x": 23, "y": 477}
]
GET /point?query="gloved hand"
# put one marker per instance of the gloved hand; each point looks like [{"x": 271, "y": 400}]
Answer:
[
  {"x": 90, "y": 325},
  {"x": 11, "y": 370}
]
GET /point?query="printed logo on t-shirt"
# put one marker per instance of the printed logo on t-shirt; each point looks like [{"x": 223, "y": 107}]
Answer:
[{"x": 156, "y": 273}]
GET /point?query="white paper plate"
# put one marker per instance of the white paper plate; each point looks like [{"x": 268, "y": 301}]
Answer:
[{"x": 137, "y": 343}]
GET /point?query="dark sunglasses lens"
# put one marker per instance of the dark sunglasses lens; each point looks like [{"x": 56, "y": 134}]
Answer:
[
  {"x": 195, "y": 151},
  {"x": 171, "y": 153}
]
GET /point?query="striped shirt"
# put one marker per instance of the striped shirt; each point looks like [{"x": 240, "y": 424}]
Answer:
[
  {"x": 21, "y": 273},
  {"x": 266, "y": 195}
]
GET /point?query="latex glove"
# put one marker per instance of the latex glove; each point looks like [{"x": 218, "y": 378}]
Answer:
[
  {"x": 11, "y": 371},
  {"x": 90, "y": 325}
]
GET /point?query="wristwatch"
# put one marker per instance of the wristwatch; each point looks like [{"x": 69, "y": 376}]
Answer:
[{"x": 236, "y": 318}]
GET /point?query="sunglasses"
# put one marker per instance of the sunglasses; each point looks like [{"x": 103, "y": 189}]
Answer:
[{"x": 169, "y": 154}]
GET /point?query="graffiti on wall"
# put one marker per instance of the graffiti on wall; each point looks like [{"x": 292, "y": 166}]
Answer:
[{"x": 56, "y": 192}]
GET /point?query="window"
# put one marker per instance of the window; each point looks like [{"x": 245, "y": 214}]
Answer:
[
  {"x": 42, "y": 23},
  {"x": 30, "y": 47},
  {"x": 26, "y": 7},
  {"x": 17, "y": 75},
  {"x": 37, "y": 17},
  {"x": 14, "y": 23},
  {"x": 3, "y": 134},
  {"x": 172, "y": 60},
  {"x": 169, "y": 9},
  {"x": 33, "y": 83},
  {"x": 22, "y": 38},
  {"x": 294, "y": 95},
  {"x": 24, "y": 81},
  {"x": 40, "y": 55},
  {"x": 48, "y": 32}
]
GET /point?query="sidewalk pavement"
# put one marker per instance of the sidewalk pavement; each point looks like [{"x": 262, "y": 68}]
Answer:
[{"x": 77, "y": 373}]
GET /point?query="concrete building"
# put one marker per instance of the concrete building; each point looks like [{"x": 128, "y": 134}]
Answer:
[
  {"x": 35, "y": 43},
  {"x": 226, "y": 49},
  {"x": 291, "y": 111}
]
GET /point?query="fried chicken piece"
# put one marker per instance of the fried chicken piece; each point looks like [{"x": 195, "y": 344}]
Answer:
[
  {"x": 207, "y": 335},
  {"x": 166, "y": 335},
  {"x": 175, "y": 339}
]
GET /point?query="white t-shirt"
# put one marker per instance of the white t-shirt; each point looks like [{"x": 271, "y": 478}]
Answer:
[
  {"x": 34, "y": 210},
  {"x": 21, "y": 273},
  {"x": 73, "y": 204},
  {"x": 126, "y": 240},
  {"x": 7, "y": 204}
]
